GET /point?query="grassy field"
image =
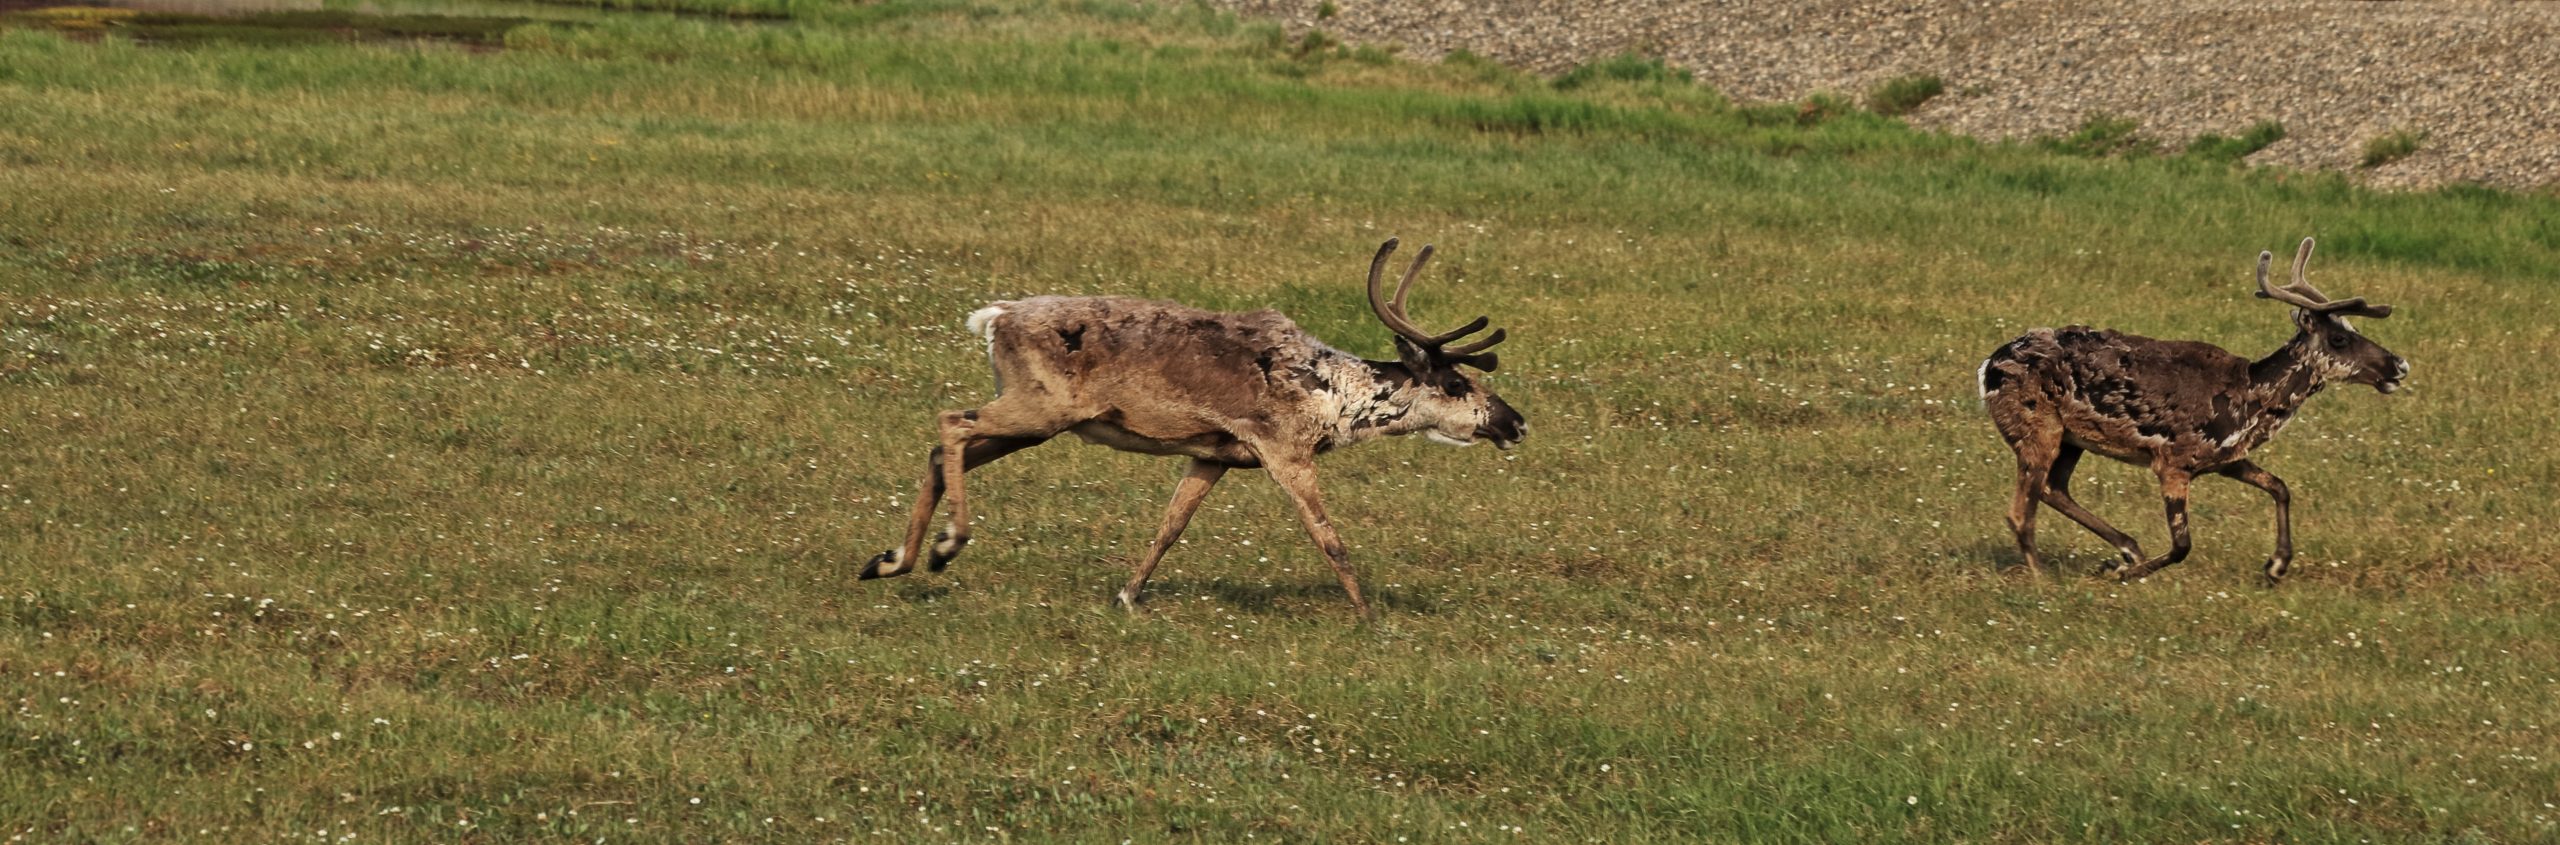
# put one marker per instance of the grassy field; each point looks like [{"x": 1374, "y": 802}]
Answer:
[{"x": 407, "y": 443}]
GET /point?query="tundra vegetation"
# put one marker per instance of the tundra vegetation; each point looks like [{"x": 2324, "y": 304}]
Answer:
[{"x": 408, "y": 442}]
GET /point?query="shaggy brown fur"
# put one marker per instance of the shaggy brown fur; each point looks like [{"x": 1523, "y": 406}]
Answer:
[
  {"x": 1070, "y": 358},
  {"x": 2179, "y": 407},
  {"x": 1227, "y": 390}
]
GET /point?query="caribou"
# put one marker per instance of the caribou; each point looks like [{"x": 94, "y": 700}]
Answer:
[
  {"x": 1226, "y": 390},
  {"x": 2182, "y": 408}
]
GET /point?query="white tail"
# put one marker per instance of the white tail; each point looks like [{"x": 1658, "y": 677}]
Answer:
[{"x": 982, "y": 322}]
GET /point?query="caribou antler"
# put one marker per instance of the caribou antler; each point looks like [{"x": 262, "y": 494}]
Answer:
[
  {"x": 2300, "y": 294},
  {"x": 1391, "y": 312}
]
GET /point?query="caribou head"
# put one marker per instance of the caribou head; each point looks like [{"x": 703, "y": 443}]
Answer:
[
  {"x": 2331, "y": 342},
  {"x": 1451, "y": 406}
]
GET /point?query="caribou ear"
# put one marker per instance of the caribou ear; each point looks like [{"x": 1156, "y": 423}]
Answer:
[
  {"x": 2309, "y": 320},
  {"x": 1414, "y": 357}
]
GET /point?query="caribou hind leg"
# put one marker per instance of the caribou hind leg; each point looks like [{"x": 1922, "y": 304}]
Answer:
[
  {"x": 970, "y": 439},
  {"x": 2037, "y": 440},
  {"x": 2057, "y": 492},
  {"x": 2032, "y": 465},
  {"x": 2046, "y": 459},
  {"x": 928, "y": 494}
]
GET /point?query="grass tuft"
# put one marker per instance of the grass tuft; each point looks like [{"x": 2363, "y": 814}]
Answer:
[
  {"x": 1902, "y": 95},
  {"x": 2102, "y": 135},
  {"x": 2217, "y": 148},
  {"x": 1315, "y": 43},
  {"x": 1623, "y": 67},
  {"x": 2392, "y": 146}
]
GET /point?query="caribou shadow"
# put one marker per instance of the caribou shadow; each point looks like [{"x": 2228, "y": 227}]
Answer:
[{"x": 1260, "y": 598}]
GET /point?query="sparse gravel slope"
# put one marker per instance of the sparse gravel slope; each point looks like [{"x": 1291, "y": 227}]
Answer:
[{"x": 2481, "y": 78}]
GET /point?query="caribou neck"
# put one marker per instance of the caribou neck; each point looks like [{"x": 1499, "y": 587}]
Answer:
[
  {"x": 2291, "y": 374},
  {"x": 1364, "y": 399}
]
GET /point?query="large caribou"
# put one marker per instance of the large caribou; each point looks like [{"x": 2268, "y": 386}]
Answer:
[
  {"x": 2181, "y": 408},
  {"x": 1227, "y": 390}
]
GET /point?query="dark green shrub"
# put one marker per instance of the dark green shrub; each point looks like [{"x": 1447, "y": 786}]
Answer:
[{"x": 1312, "y": 43}]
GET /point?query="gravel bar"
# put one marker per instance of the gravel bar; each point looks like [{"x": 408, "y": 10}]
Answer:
[{"x": 2480, "y": 79}]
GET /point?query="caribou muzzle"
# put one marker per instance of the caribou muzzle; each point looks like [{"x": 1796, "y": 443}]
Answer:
[
  {"x": 1505, "y": 427},
  {"x": 2399, "y": 373}
]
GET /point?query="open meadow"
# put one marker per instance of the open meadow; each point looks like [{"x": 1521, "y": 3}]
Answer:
[{"x": 406, "y": 442}]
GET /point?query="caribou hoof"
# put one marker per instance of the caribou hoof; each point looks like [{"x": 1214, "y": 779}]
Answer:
[
  {"x": 2121, "y": 567},
  {"x": 938, "y": 557},
  {"x": 872, "y": 570}
]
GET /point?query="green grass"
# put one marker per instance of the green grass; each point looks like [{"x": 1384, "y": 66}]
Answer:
[{"x": 431, "y": 445}]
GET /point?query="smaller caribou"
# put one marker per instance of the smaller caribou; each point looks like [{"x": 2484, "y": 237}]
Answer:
[
  {"x": 1227, "y": 390},
  {"x": 2180, "y": 407}
]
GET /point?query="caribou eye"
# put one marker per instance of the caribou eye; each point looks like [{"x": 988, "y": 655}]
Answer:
[
  {"x": 1456, "y": 387},
  {"x": 2337, "y": 341}
]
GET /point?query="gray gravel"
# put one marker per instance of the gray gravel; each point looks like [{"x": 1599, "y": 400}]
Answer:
[{"x": 2482, "y": 79}]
